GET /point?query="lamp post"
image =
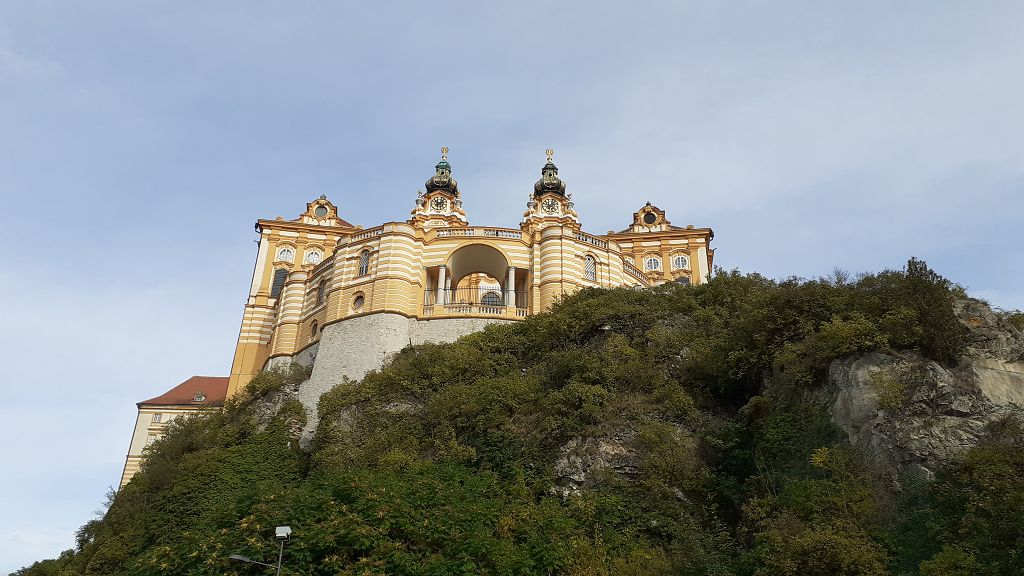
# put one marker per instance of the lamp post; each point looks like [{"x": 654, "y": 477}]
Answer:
[{"x": 282, "y": 533}]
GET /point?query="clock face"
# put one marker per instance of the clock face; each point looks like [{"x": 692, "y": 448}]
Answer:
[
  {"x": 438, "y": 204},
  {"x": 550, "y": 206},
  {"x": 650, "y": 218}
]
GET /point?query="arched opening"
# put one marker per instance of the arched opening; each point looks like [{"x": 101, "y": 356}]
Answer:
[
  {"x": 476, "y": 279},
  {"x": 477, "y": 288},
  {"x": 364, "y": 263},
  {"x": 590, "y": 268},
  {"x": 491, "y": 298},
  {"x": 477, "y": 258}
]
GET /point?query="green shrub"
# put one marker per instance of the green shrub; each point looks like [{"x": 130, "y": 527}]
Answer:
[
  {"x": 277, "y": 378},
  {"x": 1014, "y": 318},
  {"x": 892, "y": 384},
  {"x": 443, "y": 461}
]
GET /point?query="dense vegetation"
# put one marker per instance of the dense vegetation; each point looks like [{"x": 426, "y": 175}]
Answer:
[{"x": 443, "y": 462}]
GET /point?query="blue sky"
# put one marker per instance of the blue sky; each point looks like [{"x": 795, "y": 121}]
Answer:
[{"x": 141, "y": 140}]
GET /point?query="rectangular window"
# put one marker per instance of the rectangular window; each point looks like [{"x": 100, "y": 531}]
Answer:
[
  {"x": 364, "y": 262},
  {"x": 280, "y": 276},
  {"x": 157, "y": 418}
]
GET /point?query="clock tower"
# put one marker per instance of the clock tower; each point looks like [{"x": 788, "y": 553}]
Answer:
[
  {"x": 441, "y": 205},
  {"x": 549, "y": 204}
]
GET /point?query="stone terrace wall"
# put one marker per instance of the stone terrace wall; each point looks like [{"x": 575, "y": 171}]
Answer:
[{"x": 351, "y": 348}]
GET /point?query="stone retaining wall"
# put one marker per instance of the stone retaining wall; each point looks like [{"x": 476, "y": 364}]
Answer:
[{"x": 351, "y": 348}]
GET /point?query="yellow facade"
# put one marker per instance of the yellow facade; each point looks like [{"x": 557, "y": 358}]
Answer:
[{"x": 318, "y": 269}]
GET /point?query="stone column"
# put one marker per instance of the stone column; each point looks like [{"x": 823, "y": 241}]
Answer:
[
  {"x": 442, "y": 283},
  {"x": 510, "y": 287}
]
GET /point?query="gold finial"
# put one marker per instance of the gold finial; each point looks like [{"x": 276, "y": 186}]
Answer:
[
  {"x": 550, "y": 153},
  {"x": 444, "y": 152}
]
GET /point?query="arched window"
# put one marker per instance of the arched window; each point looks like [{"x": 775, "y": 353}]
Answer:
[
  {"x": 320, "y": 289},
  {"x": 364, "y": 262},
  {"x": 314, "y": 257},
  {"x": 652, "y": 263},
  {"x": 280, "y": 276},
  {"x": 285, "y": 254},
  {"x": 680, "y": 262},
  {"x": 491, "y": 299},
  {"x": 590, "y": 268},
  {"x": 312, "y": 330}
]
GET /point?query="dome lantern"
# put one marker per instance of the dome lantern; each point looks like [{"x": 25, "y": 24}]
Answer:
[
  {"x": 549, "y": 182},
  {"x": 442, "y": 179}
]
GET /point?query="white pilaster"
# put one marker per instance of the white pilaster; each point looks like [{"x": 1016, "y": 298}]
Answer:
[
  {"x": 261, "y": 261},
  {"x": 442, "y": 283},
  {"x": 705, "y": 270},
  {"x": 510, "y": 287}
]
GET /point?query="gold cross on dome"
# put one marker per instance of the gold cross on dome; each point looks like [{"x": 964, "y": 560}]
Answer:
[
  {"x": 550, "y": 153},
  {"x": 444, "y": 152}
]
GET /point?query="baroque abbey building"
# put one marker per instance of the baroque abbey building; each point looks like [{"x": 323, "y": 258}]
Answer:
[
  {"x": 343, "y": 298},
  {"x": 322, "y": 284}
]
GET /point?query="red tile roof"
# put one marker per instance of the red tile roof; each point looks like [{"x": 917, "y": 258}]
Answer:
[{"x": 213, "y": 389}]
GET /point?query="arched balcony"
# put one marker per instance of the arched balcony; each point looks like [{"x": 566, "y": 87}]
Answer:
[{"x": 476, "y": 280}]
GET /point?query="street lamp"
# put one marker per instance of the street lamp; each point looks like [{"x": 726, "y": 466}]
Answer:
[{"x": 282, "y": 533}]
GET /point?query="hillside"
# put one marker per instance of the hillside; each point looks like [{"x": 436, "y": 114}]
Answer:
[{"x": 850, "y": 426}]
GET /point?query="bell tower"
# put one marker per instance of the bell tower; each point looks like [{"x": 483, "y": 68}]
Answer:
[
  {"x": 441, "y": 205},
  {"x": 549, "y": 204}
]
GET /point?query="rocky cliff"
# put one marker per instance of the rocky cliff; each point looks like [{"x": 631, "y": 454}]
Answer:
[{"x": 915, "y": 413}]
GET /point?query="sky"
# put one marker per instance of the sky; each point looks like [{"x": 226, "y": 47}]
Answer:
[{"x": 140, "y": 140}]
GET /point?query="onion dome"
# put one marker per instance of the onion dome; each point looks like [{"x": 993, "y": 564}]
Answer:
[
  {"x": 549, "y": 182},
  {"x": 442, "y": 179}
]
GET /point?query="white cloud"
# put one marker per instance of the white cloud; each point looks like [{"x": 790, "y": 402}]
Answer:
[{"x": 17, "y": 65}]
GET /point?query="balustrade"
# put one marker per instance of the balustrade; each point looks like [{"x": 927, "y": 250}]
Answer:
[
  {"x": 592, "y": 240},
  {"x": 632, "y": 270},
  {"x": 492, "y": 232},
  {"x": 473, "y": 301}
]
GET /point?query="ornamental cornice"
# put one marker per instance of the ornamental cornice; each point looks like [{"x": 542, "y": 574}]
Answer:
[
  {"x": 262, "y": 226},
  {"x": 674, "y": 233}
]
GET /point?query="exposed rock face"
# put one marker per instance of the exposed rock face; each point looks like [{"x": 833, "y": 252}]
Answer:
[
  {"x": 583, "y": 461},
  {"x": 270, "y": 406},
  {"x": 988, "y": 335},
  {"x": 914, "y": 413}
]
